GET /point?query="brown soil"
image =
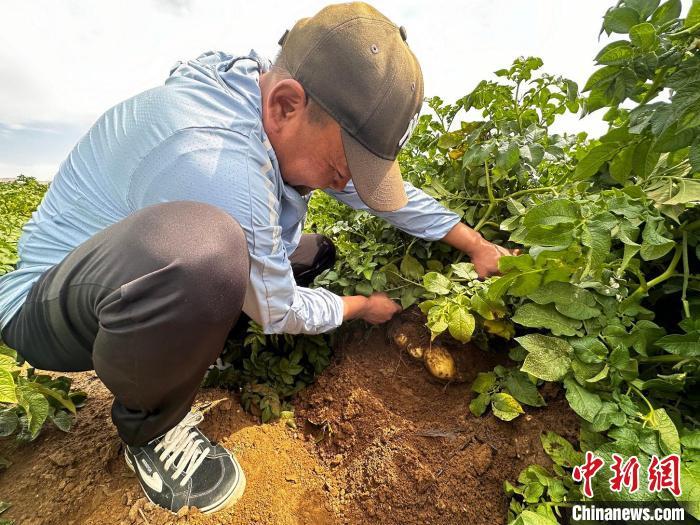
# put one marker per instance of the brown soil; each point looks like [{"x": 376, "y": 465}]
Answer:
[{"x": 380, "y": 441}]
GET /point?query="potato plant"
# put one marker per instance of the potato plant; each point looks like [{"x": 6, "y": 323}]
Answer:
[
  {"x": 269, "y": 369},
  {"x": 605, "y": 298},
  {"x": 27, "y": 399}
]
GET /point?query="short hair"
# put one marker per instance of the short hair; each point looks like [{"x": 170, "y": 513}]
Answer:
[{"x": 317, "y": 115}]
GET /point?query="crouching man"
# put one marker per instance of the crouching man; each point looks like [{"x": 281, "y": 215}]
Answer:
[{"x": 183, "y": 207}]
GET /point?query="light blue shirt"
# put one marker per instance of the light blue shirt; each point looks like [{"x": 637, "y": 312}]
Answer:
[{"x": 198, "y": 137}]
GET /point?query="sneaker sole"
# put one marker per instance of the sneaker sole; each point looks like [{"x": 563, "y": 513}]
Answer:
[{"x": 230, "y": 500}]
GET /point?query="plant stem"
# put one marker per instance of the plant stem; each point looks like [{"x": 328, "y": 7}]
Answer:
[
  {"x": 543, "y": 189},
  {"x": 654, "y": 86},
  {"x": 669, "y": 271},
  {"x": 662, "y": 359},
  {"x": 686, "y": 31},
  {"x": 643, "y": 288},
  {"x": 693, "y": 226},
  {"x": 646, "y": 401},
  {"x": 517, "y": 106},
  {"x": 686, "y": 273},
  {"x": 492, "y": 200}
]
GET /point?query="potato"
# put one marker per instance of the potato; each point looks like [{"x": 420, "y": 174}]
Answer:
[
  {"x": 400, "y": 339},
  {"x": 440, "y": 363},
  {"x": 415, "y": 350},
  {"x": 410, "y": 337}
]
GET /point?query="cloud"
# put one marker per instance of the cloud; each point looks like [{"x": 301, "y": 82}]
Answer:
[
  {"x": 179, "y": 7},
  {"x": 65, "y": 63}
]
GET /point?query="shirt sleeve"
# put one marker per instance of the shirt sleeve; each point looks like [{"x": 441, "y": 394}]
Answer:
[
  {"x": 233, "y": 171},
  {"x": 422, "y": 216}
]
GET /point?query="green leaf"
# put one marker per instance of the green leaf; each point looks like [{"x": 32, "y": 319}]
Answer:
[
  {"x": 621, "y": 164},
  {"x": 562, "y": 293},
  {"x": 615, "y": 53},
  {"x": 686, "y": 345},
  {"x": 609, "y": 415},
  {"x": 688, "y": 191},
  {"x": 35, "y": 406},
  {"x": 620, "y": 20},
  {"x": 594, "y": 160},
  {"x": 668, "y": 433},
  {"x": 437, "y": 322},
  {"x": 674, "y": 139},
  {"x": 644, "y": 36},
  {"x": 437, "y": 283},
  {"x": 585, "y": 403},
  {"x": 7, "y": 387},
  {"x": 484, "y": 382},
  {"x": 448, "y": 140},
  {"x": 693, "y": 17},
  {"x": 560, "y": 450},
  {"x": 600, "y": 375},
  {"x": 63, "y": 420},
  {"x": 465, "y": 270},
  {"x": 479, "y": 404},
  {"x": 690, "y": 487},
  {"x": 56, "y": 394},
  {"x": 507, "y": 156},
  {"x": 690, "y": 439},
  {"x": 552, "y": 212},
  {"x": 527, "y": 517},
  {"x": 481, "y": 307},
  {"x": 8, "y": 421},
  {"x": 461, "y": 324},
  {"x": 643, "y": 7},
  {"x": 525, "y": 284},
  {"x": 378, "y": 281},
  {"x": 532, "y": 154},
  {"x": 666, "y": 12},
  {"x": 518, "y": 385},
  {"x": 411, "y": 268},
  {"x": 654, "y": 245},
  {"x": 548, "y": 358},
  {"x": 505, "y": 406},
  {"x": 476, "y": 156},
  {"x": 589, "y": 349},
  {"x": 578, "y": 311},
  {"x": 499, "y": 286},
  {"x": 539, "y": 316},
  {"x": 522, "y": 262},
  {"x": 364, "y": 288},
  {"x": 694, "y": 155}
]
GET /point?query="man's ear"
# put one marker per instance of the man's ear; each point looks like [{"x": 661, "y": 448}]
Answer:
[{"x": 286, "y": 102}]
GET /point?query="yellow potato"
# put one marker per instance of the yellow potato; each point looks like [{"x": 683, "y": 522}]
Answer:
[
  {"x": 400, "y": 339},
  {"x": 440, "y": 363},
  {"x": 415, "y": 351}
]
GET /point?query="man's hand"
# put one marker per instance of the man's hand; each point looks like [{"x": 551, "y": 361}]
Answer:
[
  {"x": 486, "y": 257},
  {"x": 483, "y": 254},
  {"x": 375, "y": 309}
]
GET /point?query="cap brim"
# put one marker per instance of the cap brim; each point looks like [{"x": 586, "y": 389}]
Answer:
[{"x": 378, "y": 181}]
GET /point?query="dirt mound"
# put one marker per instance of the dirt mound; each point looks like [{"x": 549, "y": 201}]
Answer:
[
  {"x": 405, "y": 447},
  {"x": 379, "y": 441},
  {"x": 81, "y": 477}
]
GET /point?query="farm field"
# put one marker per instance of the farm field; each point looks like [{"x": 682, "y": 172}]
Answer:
[
  {"x": 405, "y": 452},
  {"x": 484, "y": 401}
]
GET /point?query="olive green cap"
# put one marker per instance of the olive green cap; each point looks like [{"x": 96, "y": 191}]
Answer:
[{"x": 355, "y": 63}]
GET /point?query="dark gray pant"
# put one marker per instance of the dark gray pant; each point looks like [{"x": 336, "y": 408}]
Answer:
[{"x": 147, "y": 303}]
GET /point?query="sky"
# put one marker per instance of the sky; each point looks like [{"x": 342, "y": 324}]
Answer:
[{"x": 63, "y": 63}]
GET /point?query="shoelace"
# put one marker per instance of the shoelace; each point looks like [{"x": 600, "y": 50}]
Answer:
[{"x": 182, "y": 441}]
